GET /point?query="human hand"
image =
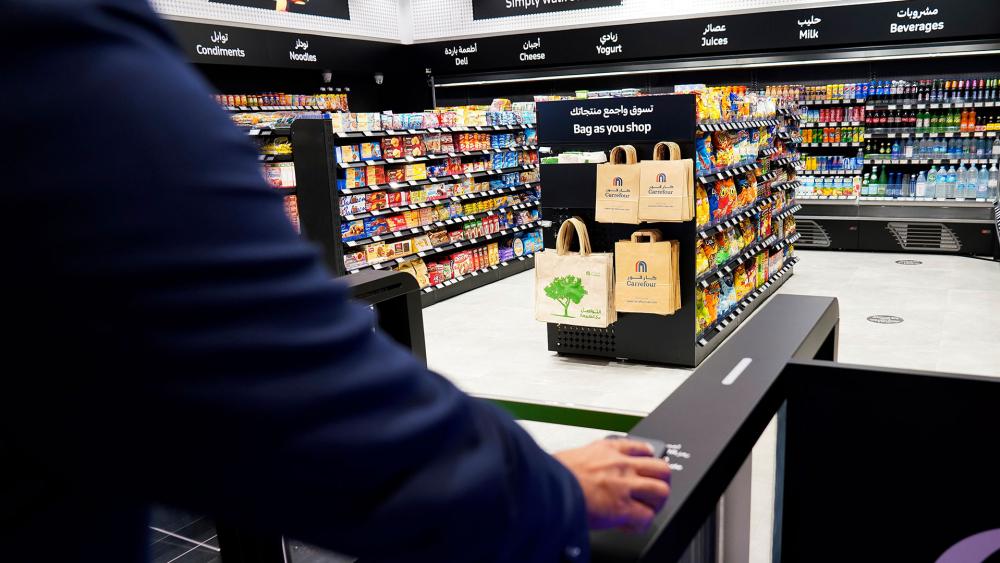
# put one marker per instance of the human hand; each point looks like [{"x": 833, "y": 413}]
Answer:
[{"x": 624, "y": 486}]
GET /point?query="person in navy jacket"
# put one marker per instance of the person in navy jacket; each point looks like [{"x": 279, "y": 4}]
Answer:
[{"x": 170, "y": 339}]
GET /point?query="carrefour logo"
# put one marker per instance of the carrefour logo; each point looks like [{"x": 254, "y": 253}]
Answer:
[
  {"x": 617, "y": 181},
  {"x": 640, "y": 267},
  {"x": 661, "y": 177}
]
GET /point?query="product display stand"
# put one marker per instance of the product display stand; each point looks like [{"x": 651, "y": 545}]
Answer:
[
  {"x": 315, "y": 144},
  {"x": 569, "y": 191}
]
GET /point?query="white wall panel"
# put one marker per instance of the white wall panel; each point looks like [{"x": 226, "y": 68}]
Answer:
[
  {"x": 370, "y": 19},
  {"x": 446, "y": 19}
]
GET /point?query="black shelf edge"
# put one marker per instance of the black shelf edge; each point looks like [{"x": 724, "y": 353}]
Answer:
[
  {"x": 932, "y": 105},
  {"x": 705, "y": 336},
  {"x": 830, "y": 172},
  {"x": 250, "y": 109},
  {"x": 730, "y": 172},
  {"x": 436, "y": 156},
  {"x": 832, "y": 145},
  {"x": 437, "y": 180},
  {"x": 785, "y": 161},
  {"x": 811, "y": 103},
  {"x": 275, "y": 158},
  {"x": 736, "y": 125},
  {"x": 269, "y": 132},
  {"x": 770, "y": 152},
  {"x": 930, "y": 160},
  {"x": 787, "y": 185},
  {"x": 821, "y": 124},
  {"x": 790, "y": 209},
  {"x": 451, "y": 247},
  {"x": 945, "y": 135},
  {"x": 484, "y": 276},
  {"x": 430, "y": 130},
  {"x": 417, "y": 231},
  {"x": 439, "y": 202},
  {"x": 721, "y": 270}
]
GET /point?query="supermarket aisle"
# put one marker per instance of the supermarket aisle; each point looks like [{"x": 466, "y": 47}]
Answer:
[{"x": 950, "y": 308}]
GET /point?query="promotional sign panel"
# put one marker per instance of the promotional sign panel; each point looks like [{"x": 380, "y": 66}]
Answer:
[
  {"x": 609, "y": 121},
  {"x": 787, "y": 30},
  {"x": 486, "y": 9},
  {"x": 327, "y": 8}
]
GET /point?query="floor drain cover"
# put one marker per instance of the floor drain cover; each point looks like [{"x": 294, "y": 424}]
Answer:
[
  {"x": 909, "y": 262},
  {"x": 885, "y": 319}
]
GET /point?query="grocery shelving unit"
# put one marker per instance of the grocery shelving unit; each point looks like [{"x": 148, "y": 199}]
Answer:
[
  {"x": 886, "y": 223},
  {"x": 569, "y": 191},
  {"x": 318, "y": 171}
]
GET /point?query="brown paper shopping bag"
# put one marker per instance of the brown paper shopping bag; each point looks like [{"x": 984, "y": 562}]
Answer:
[
  {"x": 646, "y": 278},
  {"x": 574, "y": 288},
  {"x": 666, "y": 186},
  {"x": 618, "y": 188}
]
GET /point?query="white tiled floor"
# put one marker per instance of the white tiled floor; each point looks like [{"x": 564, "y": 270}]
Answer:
[{"x": 950, "y": 307}]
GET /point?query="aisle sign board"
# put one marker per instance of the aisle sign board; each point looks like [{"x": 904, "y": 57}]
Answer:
[
  {"x": 338, "y": 9},
  {"x": 787, "y": 30},
  {"x": 487, "y": 9},
  {"x": 608, "y": 121}
]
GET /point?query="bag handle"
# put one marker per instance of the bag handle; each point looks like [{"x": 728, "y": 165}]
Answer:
[
  {"x": 571, "y": 226},
  {"x": 620, "y": 152},
  {"x": 654, "y": 235},
  {"x": 666, "y": 150}
]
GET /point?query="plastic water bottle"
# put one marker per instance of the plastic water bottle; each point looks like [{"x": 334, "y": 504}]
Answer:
[
  {"x": 950, "y": 182},
  {"x": 994, "y": 182},
  {"x": 932, "y": 183},
  {"x": 983, "y": 183},
  {"x": 960, "y": 180},
  {"x": 971, "y": 180},
  {"x": 921, "y": 188}
]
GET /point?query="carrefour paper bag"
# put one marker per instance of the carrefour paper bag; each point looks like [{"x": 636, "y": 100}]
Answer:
[
  {"x": 666, "y": 186},
  {"x": 574, "y": 288},
  {"x": 618, "y": 188},
  {"x": 646, "y": 277}
]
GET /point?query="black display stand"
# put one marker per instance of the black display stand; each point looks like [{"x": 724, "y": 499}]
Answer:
[
  {"x": 569, "y": 191},
  {"x": 314, "y": 142}
]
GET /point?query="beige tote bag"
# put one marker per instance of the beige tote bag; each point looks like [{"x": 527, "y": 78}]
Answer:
[
  {"x": 574, "y": 288},
  {"x": 646, "y": 277},
  {"x": 618, "y": 188},
  {"x": 666, "y": 186}
]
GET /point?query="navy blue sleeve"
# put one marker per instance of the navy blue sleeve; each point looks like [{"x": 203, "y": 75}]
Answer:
[{"x": 215, "y": 365}]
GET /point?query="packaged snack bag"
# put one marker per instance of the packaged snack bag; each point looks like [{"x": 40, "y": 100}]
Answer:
[
  {"x": 414, "y": 146},
  {"x": 455, "y": 236},
  {"x": 353, "y": 204},
  {"x": 727, "y": 297},
  {"x": 727, "y": 198},
  {"x": 700, "y": 258},
  {"x": 421, "y": 243},
  {"x": 432, "y": 143},
  {"x": 395, "y": 174},
  {"x": 725, "y": 154},
  {"x": 376, "y": 226},
  {"x": 702, "y": 318},
  {"x": 355, "y": 260},
  {"x": 704, "y": 154},
  {"x": 426, "y": 216},
  {"x": 713, "y": 294},
  {"x": 439, "y": 237},
  {"x": 375, "y": 252},
  {"x": 392, "y": 147},
  {"x": 721, "y": 248},
  {"x": 396, "y": 223},
  {"x": 370, "y": 151},
  {"x": 374, "y": 175},
  {"x": 412, "y": 218},
  {"x": 435, "y": 273},
  {"x": 701, "y": 207},
  {"x": 416, "y": 171},
  {"x": 376, "y": 201},
  {"x": 350, "y": 230}
]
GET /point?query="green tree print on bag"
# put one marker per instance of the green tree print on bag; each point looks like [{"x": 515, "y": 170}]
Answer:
[{"x": 566, "y": 290}]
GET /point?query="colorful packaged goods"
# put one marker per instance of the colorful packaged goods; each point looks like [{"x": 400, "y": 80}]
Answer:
[
  {"x": 356, "y": 259},
  {"x": 375, "y": 253},
  {"x": 351, "y": 230}
]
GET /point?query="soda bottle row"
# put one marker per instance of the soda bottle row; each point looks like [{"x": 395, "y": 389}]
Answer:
[
  {"x": 926, "y": 121},
  {"x": 837, "y": 114},
  {"x": 949, "y": 183},
  {"x": 933, "y": 148},
  {"x": 833, "y": 163},
  {"x": 939, "y": 90},
  {"x": 834, "y": 135}
]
